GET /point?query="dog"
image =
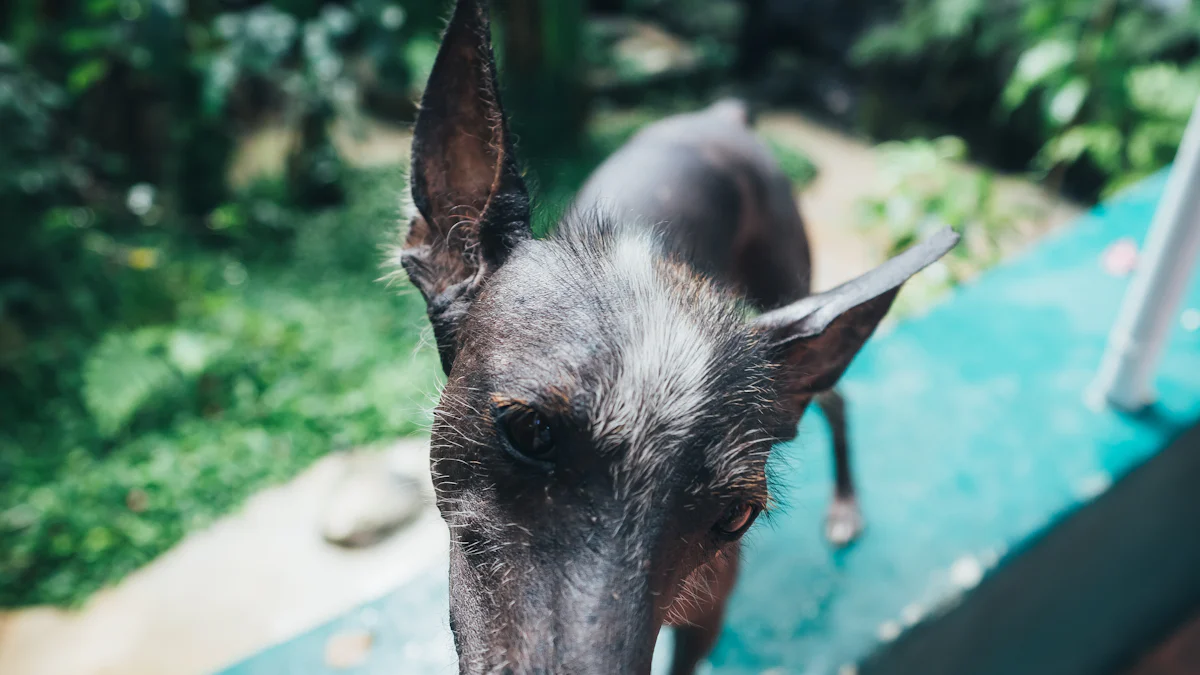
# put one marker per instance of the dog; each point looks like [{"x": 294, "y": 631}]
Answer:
[{"x": 614, "y": 390}]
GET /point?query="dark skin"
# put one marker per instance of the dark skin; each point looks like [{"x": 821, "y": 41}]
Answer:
[
  {"x": 725, "y": 206},
  {"x": 601, "y": 442}
]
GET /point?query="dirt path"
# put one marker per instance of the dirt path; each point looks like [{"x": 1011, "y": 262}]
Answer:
[
  {"x": 847, "y": 170},
  {"x": 850, "y": 171},
  {"x": 374, "y": 144}
]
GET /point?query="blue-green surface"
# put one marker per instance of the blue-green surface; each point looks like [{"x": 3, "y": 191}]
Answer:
[{"x": 970, "y": 436}]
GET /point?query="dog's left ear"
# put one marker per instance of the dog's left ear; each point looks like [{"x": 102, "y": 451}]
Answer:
[
  {"x": 473, "y": 208},
  {"x": 817, "y": 337}
]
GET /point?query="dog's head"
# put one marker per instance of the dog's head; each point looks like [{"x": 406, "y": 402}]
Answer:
[{"x": 601, "y": 442}]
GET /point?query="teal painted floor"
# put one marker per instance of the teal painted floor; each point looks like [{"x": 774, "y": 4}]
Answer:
[{"x": 971, "y": 436}]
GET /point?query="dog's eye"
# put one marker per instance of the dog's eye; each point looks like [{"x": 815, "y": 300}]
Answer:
[
  {"x": 737, "y": 519},
  {"x": 530, "y": 438}
]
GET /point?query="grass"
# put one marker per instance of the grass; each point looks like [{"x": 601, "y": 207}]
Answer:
[
  {"x": 273, "y": 358},
  {"x": 274, "y": 363}
]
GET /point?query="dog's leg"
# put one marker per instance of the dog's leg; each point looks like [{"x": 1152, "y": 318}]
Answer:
[
  {"x": 844, "y": 521},
  {"x": 695, "y": 638}
]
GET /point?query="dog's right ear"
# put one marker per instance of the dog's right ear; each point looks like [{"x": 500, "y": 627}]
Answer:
[{"x": 472, "y": 205}]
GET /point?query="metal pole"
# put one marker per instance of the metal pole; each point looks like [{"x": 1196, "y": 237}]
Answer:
[{"x": 1164, "y": 268}]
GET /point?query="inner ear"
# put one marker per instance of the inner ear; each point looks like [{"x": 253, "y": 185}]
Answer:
[
  {"x": 473, "y": 209},
  {"x": 815, "y": 362},
  {"x": 460, "y": 135},
  {"x": 817, "y": 337},
  {"x": 464, "y": 171}
]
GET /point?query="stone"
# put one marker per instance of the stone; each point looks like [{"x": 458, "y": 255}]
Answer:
[{"x": 370, "y": 502}]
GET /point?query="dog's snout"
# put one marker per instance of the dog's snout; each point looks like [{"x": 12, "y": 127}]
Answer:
[{"x": 579, "y": 614}]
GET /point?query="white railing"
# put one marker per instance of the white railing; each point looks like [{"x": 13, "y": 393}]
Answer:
[{"x": 1148, "y": 312}]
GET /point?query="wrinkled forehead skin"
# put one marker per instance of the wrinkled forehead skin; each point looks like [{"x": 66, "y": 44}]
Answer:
[
  {"x": 663, "y": 412},
  {"x": 649, "y": 361}
]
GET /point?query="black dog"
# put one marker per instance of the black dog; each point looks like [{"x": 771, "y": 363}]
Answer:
[{"x": 600, "y": 445}]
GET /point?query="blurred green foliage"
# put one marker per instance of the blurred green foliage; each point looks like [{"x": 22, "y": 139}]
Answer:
[
  {"x": 926, "y": 185},
  {"x": 926, "y": 188},
  {"x": 1105, "y": 83},
  {"x": 120, "y": 117},
  {"x": 167, "y": 345},
  {"x": 267, "y": 363}
]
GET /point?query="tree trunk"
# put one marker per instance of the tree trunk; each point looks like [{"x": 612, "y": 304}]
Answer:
[{"x": 540, "y": 48}]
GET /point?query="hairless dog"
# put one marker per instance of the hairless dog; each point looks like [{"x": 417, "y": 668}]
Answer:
[{"x": 614, "y": 390}]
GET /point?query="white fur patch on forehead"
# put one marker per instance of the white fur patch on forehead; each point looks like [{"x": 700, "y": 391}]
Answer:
[{"x": 658, "y": 381}]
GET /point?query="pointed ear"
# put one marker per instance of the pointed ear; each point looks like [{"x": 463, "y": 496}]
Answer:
[
  {"x": 472, "y": 205},
  {"x": 818, "y": 336}
]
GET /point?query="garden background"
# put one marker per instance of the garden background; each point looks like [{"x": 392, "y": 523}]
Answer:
[{"x": 197, "y": 198}]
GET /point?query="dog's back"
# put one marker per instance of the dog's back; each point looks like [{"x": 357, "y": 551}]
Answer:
[{"x": 716, "y": 197}]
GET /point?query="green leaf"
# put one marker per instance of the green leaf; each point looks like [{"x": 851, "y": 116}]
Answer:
[
  {"x": 1067, "y": 101},
  {"x": 86, "y": 39},
  {"x": 192, "y": 353},
  {"x": 122, "y": 375},
  {"x": 101, "y": 8},
  {"x": 1152, "y": 144},
  {"x": 1163, "y": 89},
  {"x": 83, "y": 76},
  {"x": 1036, "y": 66},
  {"x": 1102, "y": 142},
  {"x": 952, "y": 18},
  {"x": 795, "y": 164},
  {"x": 951, "y": 148},
  {"x": 219, "y": 77}
]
